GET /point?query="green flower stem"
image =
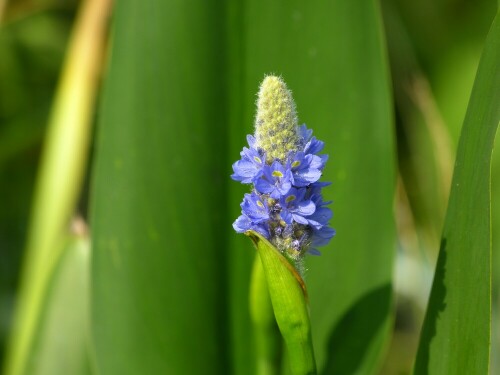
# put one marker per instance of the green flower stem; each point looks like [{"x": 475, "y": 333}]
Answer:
[
  {"x": 268, "y": 341},
  {"x": 289, "y": 300},
  {"x": 60, "y": 175}
]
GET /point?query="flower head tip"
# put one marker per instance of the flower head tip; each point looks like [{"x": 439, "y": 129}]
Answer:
[{"x": 276, "y": 130}]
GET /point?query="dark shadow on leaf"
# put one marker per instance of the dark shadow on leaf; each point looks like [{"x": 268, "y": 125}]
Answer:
[
  {"x": 435, "y": 308},
  {"x": 352, "y": 336}
]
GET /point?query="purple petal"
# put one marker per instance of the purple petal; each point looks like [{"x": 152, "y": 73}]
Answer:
[
  {"x": 245, "y": 171},
  {"x": 320, "y": 184},
  {"x": 284, "y": 188},
  {"x": 251, "y": 140},
  {"x": 287, "y": 216},
  {"x": 242, "y": 224},
  {"x": 305, "y": 133},
  {"x": 314, "y": 251},
  {"x": 316, "y": 161},
  {"x": 322, "y": 236},
  {"x": 306, "y": 177},
  {"x": 313, "y": 146},
  {"x": 262, "y": 229},
  {"x": 306, "y": 208},
  {"x": 264, "y": 186},
  {"x": 313, "y": 223},
  {"x": 322, "y": 215},
  {"x": 297, "y": 160},
  {"x": 254, "y": 208},
  {"x": 300, "y": 219},
  {"x": 275, "y": 194},
  {"x": 253, "y": 156}
]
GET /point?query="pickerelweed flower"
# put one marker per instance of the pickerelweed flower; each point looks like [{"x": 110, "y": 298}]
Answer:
[{"x": 283, "y": 166}]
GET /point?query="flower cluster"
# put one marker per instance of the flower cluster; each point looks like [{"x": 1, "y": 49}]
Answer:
[{"x": 285, "y": 204}]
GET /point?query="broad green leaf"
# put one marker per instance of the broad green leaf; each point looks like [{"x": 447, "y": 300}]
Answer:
[
  {"x": 354, "y": 274},
  {"x": 241, "y": 254},
  {"x": 289, "y": 299},
  {"x": 332, "y": 56},
  {"x": 455, "y": 338},
  {"x": 61, "y": 345},
  {"x": 158, "y": 197}
]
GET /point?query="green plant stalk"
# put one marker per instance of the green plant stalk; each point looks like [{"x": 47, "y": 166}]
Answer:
[
  {"x": 268, "y": 341},
  {"x": 61, "y": 173},
  {"x": 289, "y": 300},
  {"x": 64, "y": 319},
  {"x": 455, "y": 337}
]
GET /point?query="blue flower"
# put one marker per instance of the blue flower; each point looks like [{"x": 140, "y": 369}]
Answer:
[
  {"x": 322, "y": 215},
  {"x": 305, "y": 133},
  {"x": 286, "y": 205},
  {"x": 255, "y": 208},
  {"x": 282, "y": 163},
  {"x": 275, "y": 180},
  {"x": 322, "y": 236},
  {"x": 243, "y": 224},
  {"x": 251, "y": 141},
  {"x": 311, "y": 144},
  {"x": 306, "y": 169},
  {"x": 249, "y": 168},
  {"x": 295, "y": 207}
]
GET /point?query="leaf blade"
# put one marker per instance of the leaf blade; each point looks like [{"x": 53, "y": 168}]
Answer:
[
  {"x": 158, "y": 195},
  {"x": 332, "y": 55},
  {"x": 455, "y": 337}
]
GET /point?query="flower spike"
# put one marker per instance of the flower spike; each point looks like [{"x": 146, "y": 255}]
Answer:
[
  {"x": 282, "y": 165},
  {"x": 276, "y": 130}
]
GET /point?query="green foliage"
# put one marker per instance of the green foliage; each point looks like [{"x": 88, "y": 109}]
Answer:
[
  {"x": 355, "y": 325},
  {"x": 158, "y": 202},
  {"x": 456, "y": 333},
  {"x": 170, "y": 280},
  {"x": 337, "y": 72},
  {"x": 59, "y": 183}
]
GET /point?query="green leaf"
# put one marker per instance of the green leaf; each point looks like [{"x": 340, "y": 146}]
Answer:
[
  {"x": 268, "y": 341},
  {"x": 455, "y": 338},
  {"x": 332, "y": 56},
  {"x": 61, "y": 174},
  {"x": 61, "y": 345},
  {"x": 289, "y": 299},
  {"x": 158, "y": 197},
  {"x": 350, "y": 285},
  {"x": 240, "y": 255}
]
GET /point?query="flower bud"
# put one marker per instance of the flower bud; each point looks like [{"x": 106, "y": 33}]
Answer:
[{"x": 276, "y": 130}]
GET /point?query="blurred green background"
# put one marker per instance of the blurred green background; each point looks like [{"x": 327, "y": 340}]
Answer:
[{"x": 433, "y": 48}]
